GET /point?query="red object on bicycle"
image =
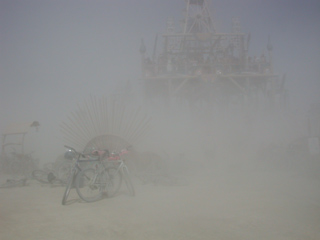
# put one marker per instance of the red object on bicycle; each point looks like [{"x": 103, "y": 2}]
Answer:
[
  {"x": 123, "y": 151},
  {"x": 116, "y": 157}
]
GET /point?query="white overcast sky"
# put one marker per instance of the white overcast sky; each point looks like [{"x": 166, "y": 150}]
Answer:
[{"x": 55, "y": 53}]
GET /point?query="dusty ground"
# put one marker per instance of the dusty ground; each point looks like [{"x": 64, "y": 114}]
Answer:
[{"x": 233, "y": 204}]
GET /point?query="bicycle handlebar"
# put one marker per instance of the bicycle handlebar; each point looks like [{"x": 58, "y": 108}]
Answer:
[
  {"x": 72, "y": 149},
  {"x": 114, "y": 155}
]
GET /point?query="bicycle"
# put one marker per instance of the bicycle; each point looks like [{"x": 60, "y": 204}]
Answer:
[
  {"x": 92, "y": 184},
  {"x": 79, "y": 158},
  {"x": 48, "y": 175},
  {"x": 104, "y": 179}
]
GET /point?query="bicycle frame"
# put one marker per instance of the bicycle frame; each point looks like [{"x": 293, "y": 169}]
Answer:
[{"x": 119, "y": 164}]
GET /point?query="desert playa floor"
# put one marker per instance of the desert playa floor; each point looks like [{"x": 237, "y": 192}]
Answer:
[{"x": 208, "y": 204}]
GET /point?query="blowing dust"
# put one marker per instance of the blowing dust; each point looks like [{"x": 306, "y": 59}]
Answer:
[{"x": 218, "y": 177}]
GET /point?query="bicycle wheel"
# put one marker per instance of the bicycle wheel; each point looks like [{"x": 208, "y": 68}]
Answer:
[
  {"x": 128, "y": 182},
  {"x": 40, "y": 175},
  {"x": 68, "y": 188},
  {"x": 114, "y": 181},
  {"x": 90, "y": 185}
]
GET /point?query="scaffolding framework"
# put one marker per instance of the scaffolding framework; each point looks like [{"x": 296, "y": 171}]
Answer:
[{"x": 199, "y": 64}]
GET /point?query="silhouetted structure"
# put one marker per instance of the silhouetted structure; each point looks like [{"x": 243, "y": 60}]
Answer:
[{"x": 203, "y": 66}]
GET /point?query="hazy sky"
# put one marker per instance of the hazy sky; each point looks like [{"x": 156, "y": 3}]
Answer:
[{"x": 56, "y": 53}]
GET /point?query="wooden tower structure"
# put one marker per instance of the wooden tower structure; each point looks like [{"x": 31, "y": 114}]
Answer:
[{"x": 205, "y": 67}]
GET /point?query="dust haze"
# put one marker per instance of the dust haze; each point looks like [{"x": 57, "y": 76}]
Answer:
[{"x": 224, "y": 173}]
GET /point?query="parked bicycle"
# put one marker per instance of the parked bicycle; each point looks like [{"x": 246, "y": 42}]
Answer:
[
  {"x": 79, "y": 158},
  {"x": 105, "y": 178}
]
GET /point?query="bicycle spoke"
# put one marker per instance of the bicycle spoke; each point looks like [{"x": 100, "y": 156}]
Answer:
[{"x": 89, "y": 185}]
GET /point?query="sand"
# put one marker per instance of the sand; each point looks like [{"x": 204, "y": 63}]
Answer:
[{"x": 207, "y": 204}]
